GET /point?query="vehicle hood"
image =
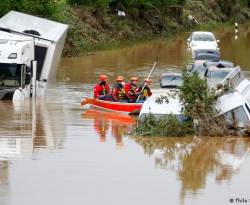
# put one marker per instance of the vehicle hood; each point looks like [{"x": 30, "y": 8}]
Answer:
[{"x": 172, "y": 107}]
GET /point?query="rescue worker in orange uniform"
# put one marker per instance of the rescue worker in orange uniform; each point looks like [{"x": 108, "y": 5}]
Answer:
[
  {"x": 146, "y": 92},
  {"x": 118, "y": 91},
  {"x": 102, "y": 89},
  {"x": 131, "y": 90}
]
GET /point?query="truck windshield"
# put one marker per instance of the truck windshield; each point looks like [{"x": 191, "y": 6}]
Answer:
[{"x": 10, "y": 75}]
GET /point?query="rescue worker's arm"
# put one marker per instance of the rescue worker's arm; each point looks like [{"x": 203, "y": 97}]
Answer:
[
  {"x": 127, "y": 88},
  {"x": 114, "y": 95},
  {"x": 126, "y": 96},
  {"x": 149, "y": 92},
  {"x": 138, "y": 91},
  {"x": 108, "y": 89},
  {"x": 96, "y": 91}
]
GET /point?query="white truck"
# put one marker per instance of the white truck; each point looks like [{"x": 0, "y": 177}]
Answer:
[{"x": 30, "y": 51}]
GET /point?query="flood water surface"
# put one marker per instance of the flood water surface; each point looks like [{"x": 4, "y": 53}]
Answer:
[{"x": 54, "y": 152}]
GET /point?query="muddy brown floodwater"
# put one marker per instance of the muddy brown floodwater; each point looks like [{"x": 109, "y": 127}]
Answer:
[{"x": 54, "y": 153}]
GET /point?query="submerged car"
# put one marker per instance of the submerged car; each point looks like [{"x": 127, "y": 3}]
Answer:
[
  {"x": 205, "y": 54},
  {"x": 170, "y": 84},
  {"x": 171, "y": 80},
  {"x": 153, "y": 107},
  {"x": 202, "y": 40},
  {"x": 233, "y": 104},
  {"x": 200, "y": 66},
  {"x": 229, "y": 77}
]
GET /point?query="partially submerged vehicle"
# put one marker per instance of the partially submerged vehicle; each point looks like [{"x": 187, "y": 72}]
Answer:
[
  {"x": 30, "y": 51},
  {"x": 229, "y": 77},
  {"x": 153, "y": 107},
  {"x": 233, "y": 99},
  {"x": 206, "y": 54},
  {"x": 235, "y": 105},
  {"x": 202, "y": 40},
  {"x": 171, "y": 80},
  {"x": 202, "y": 66},
  {"x": 170, "y": 84}
]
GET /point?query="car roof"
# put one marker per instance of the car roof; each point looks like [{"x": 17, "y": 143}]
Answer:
[
  {"x": 214, "y": 68},
  {"x": 207, "y": 56},
  {"x": 198, "y": 51},
  {"x": 202, "y": 32},
  {"x": 220, "y": 64},
  {"x": 225, "y": 102},
  {"x": 171, "y": 74}
]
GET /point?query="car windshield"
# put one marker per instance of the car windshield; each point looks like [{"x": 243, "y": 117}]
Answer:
[
  {"x": 200, "y": 68},
  {"x": 219, "y": 74},
  {"x": 203, "y": 37},
  {"x": 10, "y": 75},
  {"x": 207, "y": 56},
  {"x": 171, "y": 81},
  {"x": 220, "y": 64}
]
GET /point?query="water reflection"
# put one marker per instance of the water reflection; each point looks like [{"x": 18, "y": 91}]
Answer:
[
  {"x": 4, "y": 180},
  {"x": 236, "y": 49},
  {"x": 26, "y": 126},
  {"x": 196, "y": 159},
  {"x": 110, "y": 124}
]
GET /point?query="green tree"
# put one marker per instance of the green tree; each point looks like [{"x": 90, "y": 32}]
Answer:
[{"x": 4, "y": 7}]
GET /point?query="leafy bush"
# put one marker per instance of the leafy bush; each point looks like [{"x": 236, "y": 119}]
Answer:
[
  {"x": 4, "y": 7},
  {"x": 166, "y": 126},
  {"x": 36, "y": 7},
  {"x": 128, "y": 3},
  {"x": 198, "y": 101},
  {"x": 95, "y": 3}
]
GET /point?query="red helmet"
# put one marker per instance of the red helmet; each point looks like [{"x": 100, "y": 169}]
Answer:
[
  {"x": 134, "y": 79},
  {"x": 120, "y": 78},
  {"x": 103, "y": 77}
]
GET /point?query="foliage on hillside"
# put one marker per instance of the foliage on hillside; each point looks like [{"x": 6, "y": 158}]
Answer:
[{"x": 95, "y": 24}]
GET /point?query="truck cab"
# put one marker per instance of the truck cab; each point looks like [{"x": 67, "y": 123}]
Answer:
[
  {"x": 30, "y": 51},
  {"x": 16, "y": 56}
]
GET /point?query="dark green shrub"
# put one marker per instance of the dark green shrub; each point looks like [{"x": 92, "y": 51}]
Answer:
[
  {"x": 166, "y": 126},
  {"x": 94, "y": 3},
  {"x": 4, "y": 7}
]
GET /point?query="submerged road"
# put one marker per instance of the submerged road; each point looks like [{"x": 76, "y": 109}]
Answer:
[{"x": 52, "y": 152}]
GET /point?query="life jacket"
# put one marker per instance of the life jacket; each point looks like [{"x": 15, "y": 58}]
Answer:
[
  {"x": 120, "y": 93},
  {"x": 104, "y": 89},
  {"x": 101, "y": 90},
  {"x": 131, "y": 91},
  {"x": 145, "y": 93}
]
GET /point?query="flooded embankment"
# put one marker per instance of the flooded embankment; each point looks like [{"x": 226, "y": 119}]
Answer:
[{"x": 53, "y": 152}]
